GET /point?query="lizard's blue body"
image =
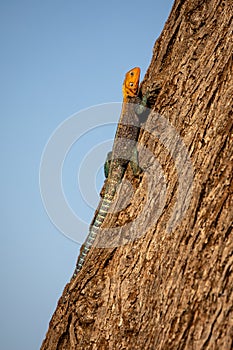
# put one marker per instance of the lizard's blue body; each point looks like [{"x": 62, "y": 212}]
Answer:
[{"x": 128, "y": 129}]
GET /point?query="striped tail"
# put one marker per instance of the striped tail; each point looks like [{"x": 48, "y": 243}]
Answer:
[{"x": 93, "y": 231}]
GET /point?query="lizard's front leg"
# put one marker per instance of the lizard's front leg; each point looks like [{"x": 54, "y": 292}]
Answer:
[
  {"x": 141, "y": 107},
  {"x": 134, "y": 163}
]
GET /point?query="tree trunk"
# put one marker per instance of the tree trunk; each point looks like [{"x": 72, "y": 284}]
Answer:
[{"x": 171, "y": 285}]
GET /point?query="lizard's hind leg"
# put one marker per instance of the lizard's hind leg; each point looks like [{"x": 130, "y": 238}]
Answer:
[{"x": 107, "y": 164}]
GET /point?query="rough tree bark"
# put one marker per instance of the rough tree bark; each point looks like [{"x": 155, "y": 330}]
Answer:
[{"x": 170, "y": 289}]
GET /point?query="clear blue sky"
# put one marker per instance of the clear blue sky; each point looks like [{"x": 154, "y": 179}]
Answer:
[{"x": 57, "y": 57}]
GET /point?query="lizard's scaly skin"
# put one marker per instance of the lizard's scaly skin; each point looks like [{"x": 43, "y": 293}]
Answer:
[{"x": 128, "y": 129}]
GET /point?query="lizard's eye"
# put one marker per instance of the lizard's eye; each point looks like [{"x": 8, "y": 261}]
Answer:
[
  {"x": 132, "y": 74},
  {"x": 131, "y": 84}
]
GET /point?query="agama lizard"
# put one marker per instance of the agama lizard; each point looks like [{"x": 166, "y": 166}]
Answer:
[{"x": 122, "y": 153}]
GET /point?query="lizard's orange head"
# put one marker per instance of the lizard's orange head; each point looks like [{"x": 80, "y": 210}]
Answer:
[{"x": 131, "y": 83}]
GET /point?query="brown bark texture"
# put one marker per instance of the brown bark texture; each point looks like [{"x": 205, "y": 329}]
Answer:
[{"x": 170, "y": 286}]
